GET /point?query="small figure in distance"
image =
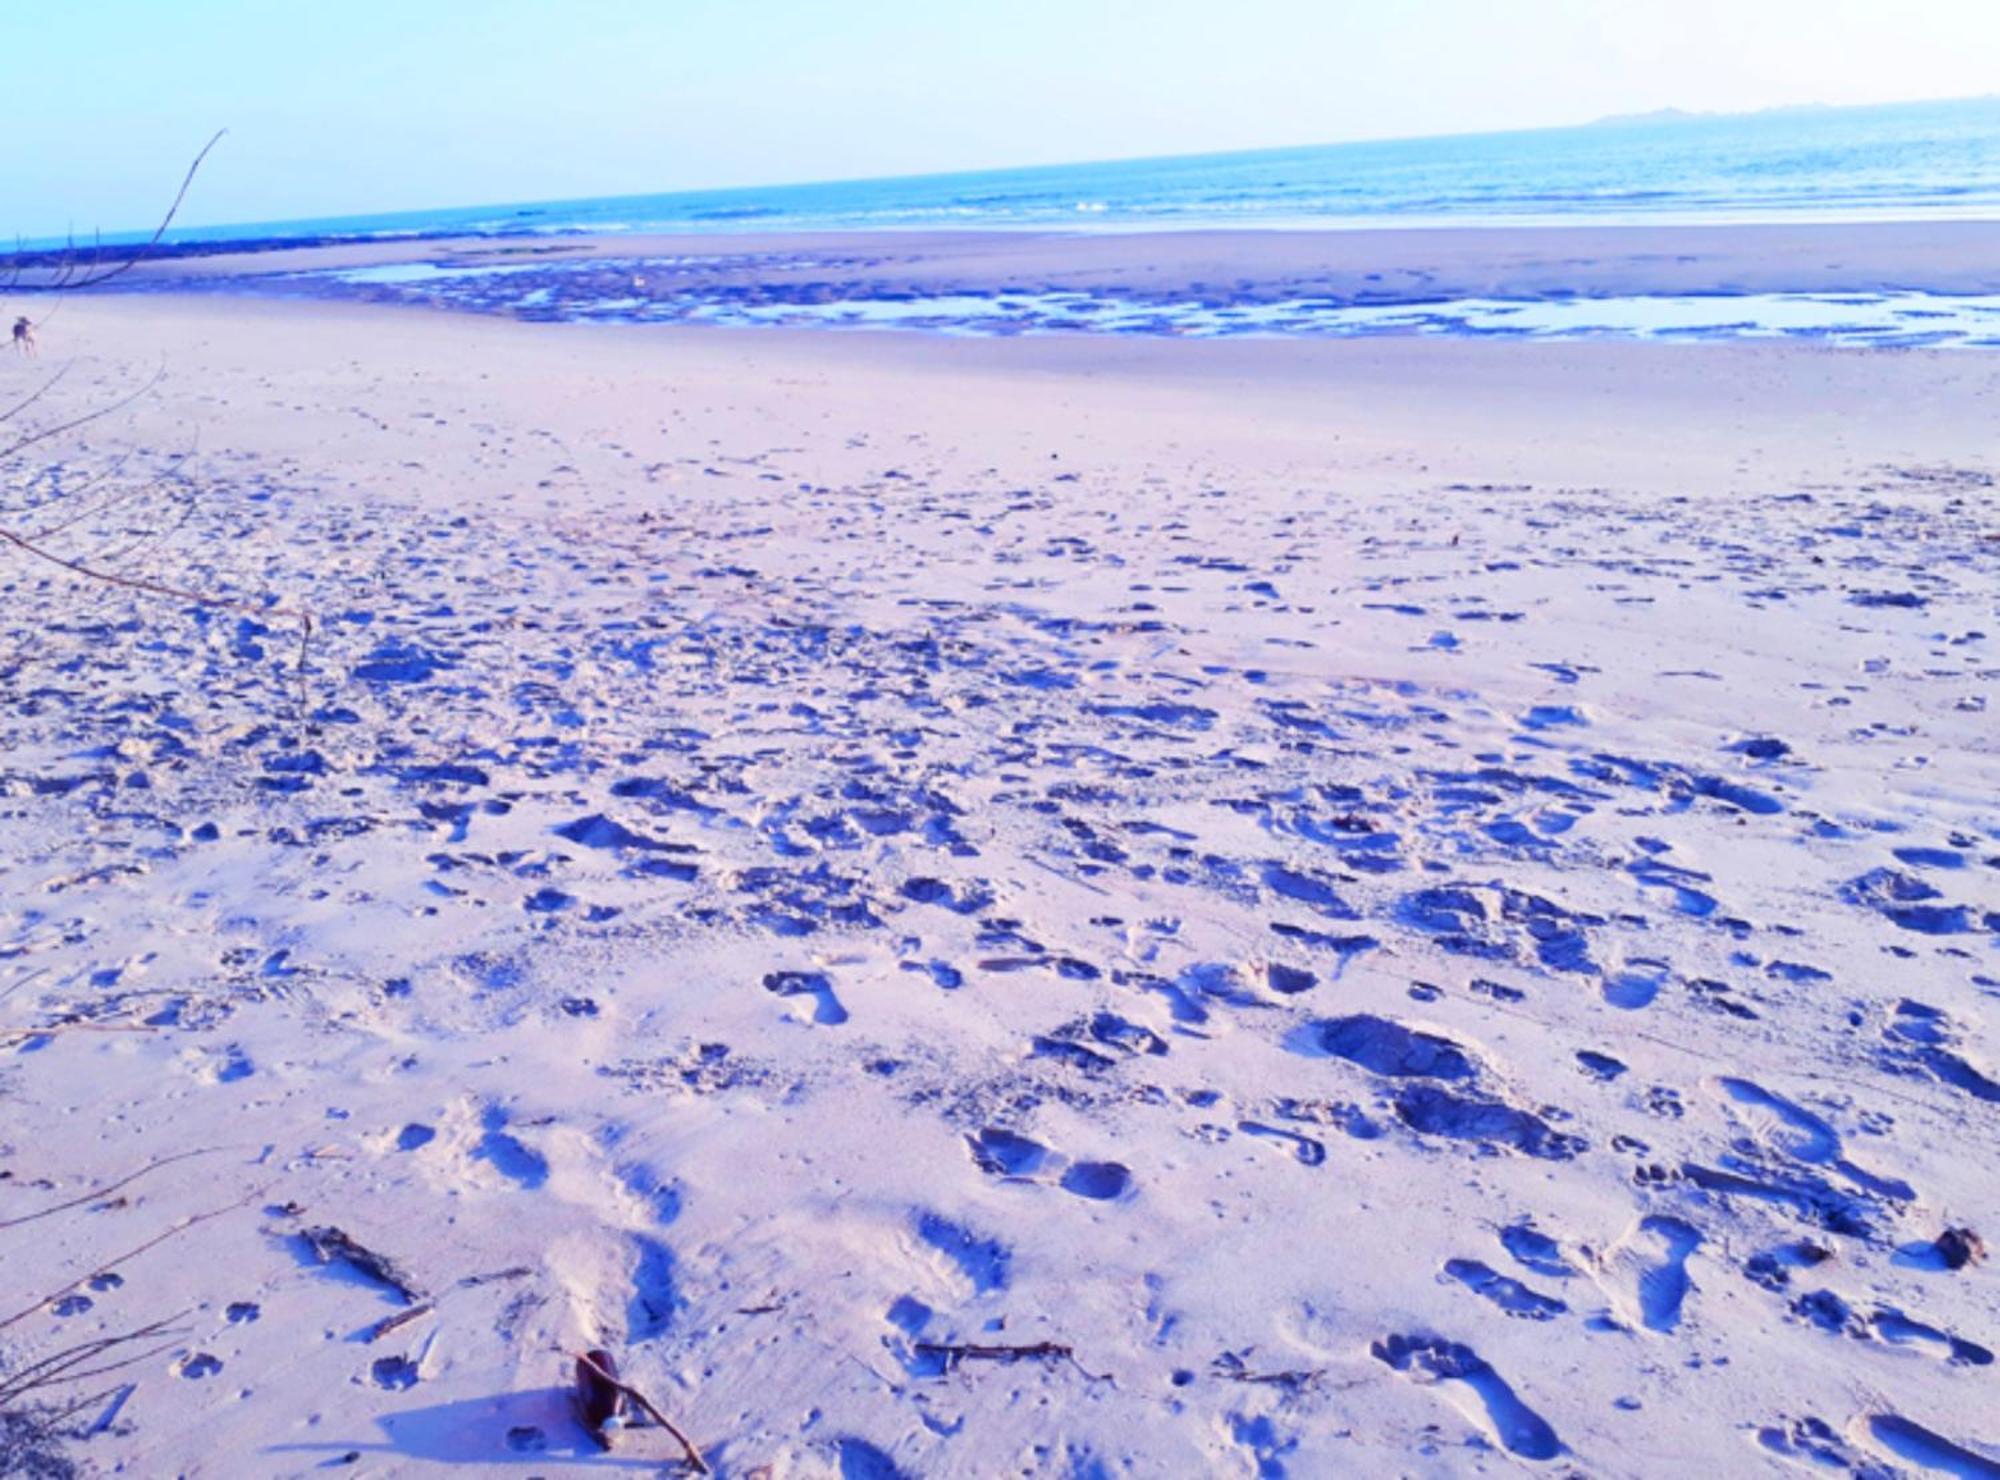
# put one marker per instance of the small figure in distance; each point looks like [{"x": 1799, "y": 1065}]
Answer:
[{"x": 24, "y": 335}]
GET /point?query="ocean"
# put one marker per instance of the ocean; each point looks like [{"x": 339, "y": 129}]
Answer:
[
  {"x": 1898, "y": 161},
  {"x": 1927, "y": 161}
]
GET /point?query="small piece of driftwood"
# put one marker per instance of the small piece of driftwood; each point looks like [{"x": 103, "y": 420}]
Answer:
[
  {"x": 332, "y": 1245},
  {"x": 598, "y": 1390},
  {"x": 1232, "y": 1367},
  {"x": 513, "y": 1272},
  {"x": 110, "y": 1264},
  {"x": 106, "y": 1191},
  {"x": 401, "y": 1318},
  {"x": 1038, "y": 1351},
  {"x": 600, "y": 1401}
]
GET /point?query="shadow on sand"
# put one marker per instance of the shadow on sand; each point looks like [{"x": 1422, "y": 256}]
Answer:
[{"x": 524, "y": 1428}]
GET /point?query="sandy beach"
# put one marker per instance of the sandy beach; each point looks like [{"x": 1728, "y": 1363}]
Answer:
[{"x": 1058, "y": 905}]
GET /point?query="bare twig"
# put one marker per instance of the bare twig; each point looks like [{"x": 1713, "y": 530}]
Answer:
[
  {"x": 59, "y": 1366},
  {"x": 21, "y": 981},
  {"x": 160, "y": 588},
  {"x": 130, "y": 1254},
  {"x": 954, "y": 1352},
  {"x": 119, "y": 1391},
  {"x": 41, "y": 390},
  {"x": 67, "y": 283},
  {"x": 401, "y": 1318},
  {"x": 34, "y": 542},
  {"x": 110, "y": 470},
  {"x": 44, "y": 434},
  {"x": 330, "y": 1245},
  {"x": 93, "y": 1196},
  {"x": 694, "y": 1459},
  {"x": 115, "y": 500},
  {"x": 14, "y": 1035}
]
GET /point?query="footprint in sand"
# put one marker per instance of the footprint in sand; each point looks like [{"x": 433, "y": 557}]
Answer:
[
  {"x": 809, "y": 987},
  {"x": 1100, "y": 1181},
  {"x": 1305, "y": 1150},
  {"x": 625, "y": 1276},
  {"x": 1474, "y": 1388},
  {"x": 1636, "y": 984},
  {"x": 1645, "y": 1272},
  {"x": 506, "y": 1153},
  {"x": 1389, "y": 1048},
  {"x": 1513, "y": 1297},
  {"x": 1002, "y": 1153},
  {"x": 986, "y": 1264},
  {"x": 1810, "y": 1441},
  {"x": 859, "y": 1460},
  {"x": 1535, "y": 1250},
  {"x": 1016, "y": 1158},
  {"x": 1933, "y": 1452},
  {"x": 1798, "y": 1133},
  {"x": 1895, "y": 1327}
]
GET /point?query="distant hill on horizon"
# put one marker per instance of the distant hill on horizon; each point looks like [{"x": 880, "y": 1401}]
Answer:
[{"x": 1689, "y": 115}]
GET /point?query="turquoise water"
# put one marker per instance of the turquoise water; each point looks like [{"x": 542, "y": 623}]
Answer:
[{"x": 1905, "y": 160}]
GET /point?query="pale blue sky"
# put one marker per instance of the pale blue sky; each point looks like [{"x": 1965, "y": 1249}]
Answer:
[{"x": 370, "y": 105}]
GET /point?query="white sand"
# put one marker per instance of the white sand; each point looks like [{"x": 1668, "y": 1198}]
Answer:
[{"x": 1043, "y": 785}]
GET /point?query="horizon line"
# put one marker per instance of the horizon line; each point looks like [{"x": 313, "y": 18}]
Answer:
[{"x": 1668, "y": 114}]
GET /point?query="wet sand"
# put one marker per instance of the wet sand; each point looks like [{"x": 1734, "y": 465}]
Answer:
[{"x": 1358, "y": 266}]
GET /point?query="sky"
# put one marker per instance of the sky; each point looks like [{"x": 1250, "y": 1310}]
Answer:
[{"x": 378, "y": 105}]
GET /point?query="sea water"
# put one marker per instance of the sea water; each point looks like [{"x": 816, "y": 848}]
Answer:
[
  {"x": 1904, "y": 160},
  {"x": 1909, "y": 161}
]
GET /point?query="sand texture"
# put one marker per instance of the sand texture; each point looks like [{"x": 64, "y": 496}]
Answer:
[{"x": 1052, "y": 907}]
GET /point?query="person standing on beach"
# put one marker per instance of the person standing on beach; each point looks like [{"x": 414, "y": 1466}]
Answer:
[{"x": 24, "y": 335}]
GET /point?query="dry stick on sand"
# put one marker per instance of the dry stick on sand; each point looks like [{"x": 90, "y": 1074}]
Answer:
[
  {"x": 332, "y": 1245},
  {"x": 390, "y": 1323},
  {"x": 49, "y": 1030},
  {"x": 954, "y": 1353},
  {"x": 93, "y": 1196},
  {"x": 21, "y": 981},
  {"x": 130, "y": 1254},
  {"x": 179, "y": 593},
  {"x": 68, "y": 280},
  {"x": 58, "y": 1367},
  {"x": 115, "y": 500},
  {"x": 694, "y": 1459}
]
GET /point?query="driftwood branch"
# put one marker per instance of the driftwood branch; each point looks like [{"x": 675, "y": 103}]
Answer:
[
  {"x": 61, "y": 1366},
  {"x": 105, "y": 1191},
  {"x": 125, "y": 1258},
  {"x": 952, "y": 1353},
  {"x": 44, "y": 434},
  {"x": 401, "y": 1318},
  {"x": 35, "y": 395},
  {"x": 332, "y": 1245},
  {"x": 19, "y": 535},
  {"x": 694, "y": 1459},
  {"x": 69, "y": 280}
]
